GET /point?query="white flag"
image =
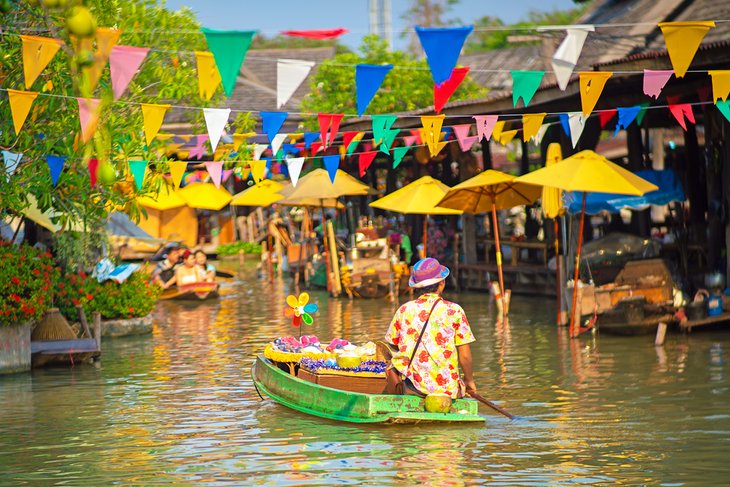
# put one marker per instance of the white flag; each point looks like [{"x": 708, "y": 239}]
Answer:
[
  {"x": 295, "y": 167},
  {"x": 567, "y": 54},
  {"x": 276, "y": 143},
  {"x": 577, "y": 123},
  {"x": 259, "y": 149},
  {"x": 216, "y": 120},
  {"x": 289, "y": 75}
]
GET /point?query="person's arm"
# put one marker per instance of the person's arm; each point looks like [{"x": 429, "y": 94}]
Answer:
[
  {"x": 172, "y": 281},
  {"x": 464, "y": 352}
]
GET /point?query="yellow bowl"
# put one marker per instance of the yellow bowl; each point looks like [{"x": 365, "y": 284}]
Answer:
[{"x": 348, "y": 361}]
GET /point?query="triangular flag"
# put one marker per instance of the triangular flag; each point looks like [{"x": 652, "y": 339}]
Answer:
[
  {"x": 410, "y": 140},
  {"x": 432, "y": 132},
  {"x": 229, "y": 48},
  {"x": 332, "y": 163},
  {"x": 682, "y": 111},
  {"x": 216, "y": 120},
  {"x": 329, "y": 122},
  {"x": 642, "y": 113},
  {"x": 485, "y": 125},
  {"x": 259, "y": 149},
  {"x": 654, "y": 81},
  {"x": 605, "y": 116},
  {"x": 625, "y": 117},
  {"x": 208, "y": 76},
  {"x": 37, "y": 53},
  {"x": 720, "y": 84},
  {"x": 199, "y": 150},
  {"x": 382, "y": 133},
  {"x": 152, "y": 116},
  {"x": 88, "y": 117},
  {"x": 276, "y": 143},
  {"x": 577, "y": 122},
  {"x": 20, "y": 103},
  {"x": 350, "y": 148},
  {"x": 591, "y": 87},
  {"x": 294, "y": 165},
  {"x": 564, "y": 122},
  {"x": 12, "y": 161},
  {"x": 567, "y": 55},
  {"x": 106, "y": 39},
  {"x": 227, "y": 173},
  {"x": 289, "y": 75},
  {"x": 531, "y": 124},
  {"x": 462, "y": 136},
  {"x": 239, "y": 139},
  {"x": 215, "y": 169},
  {"x": 368, "y": 79},
  {"x": 93, "y": 167},
  {"x": 138, "y": 170},
  {"x": 398, "y": 154},
  {"x": 55, "y": 166},
  {"x": 537, "y": 139},
  {"x": 442, "y": 92},
  {"x": 364, "y": 160},
  {"x": 347, "y": 137},
  {"x": 682, "y": 40},
  {"x": 525, "y": 85},
  {"x": 258, "y": 170},
  {"x": 177, "y": 169},
  {"x": 442, "y": 46},
  {"x": 272, "y": 122},
  {"x": 724, "y": 109},
  {"x": 124, "y": 62},
  {"x": 310, "y": 137},
  {"x": 501, "y": 135}
]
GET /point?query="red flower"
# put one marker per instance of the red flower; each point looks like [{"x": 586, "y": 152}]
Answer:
[
  {"x": 440, "y": 380},
  {"x": 417, "y": 377},
  {"x": 455, "y": 376},
  {"x": 423, "y": 356},
  {"x": 440, "y": 339},
  {"x": 75, "y": 301},
  {"x": 411, "y": 331},
  {"x": 447, "y": 353},
  {"x": 36, "y": 272},
  {"x": 89, "y": 297},
  {"x": 61, "y": 285},
  {"x": 15, "y": 297},
  {"x": 15, "y": 280},
  {"x": 423, "y": 315}
]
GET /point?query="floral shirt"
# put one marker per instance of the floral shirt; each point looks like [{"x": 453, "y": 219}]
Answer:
[{"x": 436, "y": 365}]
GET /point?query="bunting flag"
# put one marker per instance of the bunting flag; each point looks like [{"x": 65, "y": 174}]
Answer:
[
  {"x": 177, "y": 169},
  {"x": 442, "y": 46},
  {"x": 199, "y": 150},
  {"x": 227, "y": 173},
  {"x": 724, "y": 108},
  {"x": 276, "y": 143},
  {"x": 354, "y": 143},
  {"x": 20, "y": 103},
  {"x": 332, "y": 163},
  {"x": 138, "y": 170},
  {"x": 272, "y": 122},
  {"x": 485, "y": 125},
  {"x": 642, "y": 113},
  {"x": 537, "y": 139},
  {"x": 258, "y": 170},
  {"x": 432, "y": 132},
  {"x": 290, "y": 73},
  {"x": 682, "y": 111},
  {"x": 577, "y": 122},
  {"x": 410, "y": 140},
  {"x": 564, "y": 122},
  {"x": 591, "y": 87},
  {"x": 259, "y": 149},
  {"x": 88, "y": 117},
  {"x": 106, "y": 39},
  {"x": 319, "y": 34},
  {"x": 525, "y": 85},
  {"x": 501, "y": 135},
  {"x": 442, "y": 92},
  {"x": 329, "y": 122},
  {"x": 124, "y": 62},
  {"x": 398, "y": 155},
  {"x": 37, "y": 53},
  {"x": 215, "y": 121},
  {"x": 215, "y": 169},
  {"x": 239, "y": 139},
  {"x": 462, "y": 136},
  {"x": 310, "y": 137},
  {"x": 12, "y": 161},
  {"x": 383, "y": 135},
  {"x": 55, "y": 166},
  {"x": 348, "y": 137},
  {"x": 625, "y": 117},
  {"x": 208, "y": 76},
  {"x": 294, "y": 165},
  {"x": 93, "y": 168},
  {"x": 682, "y": 40},
  {"x": 720, "y": 84},
  {"x": 654, "y": 81},
  {"x": 229, "y": 48},
  {"x": 368, "y": 79},
  {"x": 567, "y": 55},
  {"x": 605, "y": 116},
  {"x": 365, "y": 160},
  {"x": 531, "y": 124},
  {"x": 152, "y": 116}
]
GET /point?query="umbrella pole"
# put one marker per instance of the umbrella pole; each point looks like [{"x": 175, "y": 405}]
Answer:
[
  {"x": 425, "y": 237},
  {"x": 573, "y": 324},
  {"x": 499, "y": 258},
  {"x": 556, "y": 228},
  {"x": 326, "y": 249}
]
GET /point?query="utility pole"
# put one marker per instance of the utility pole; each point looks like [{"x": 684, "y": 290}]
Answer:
[{"x": 381, "y": 23}]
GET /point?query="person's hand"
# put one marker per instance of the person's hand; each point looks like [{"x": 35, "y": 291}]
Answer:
[{"x": 471, "y": 388}]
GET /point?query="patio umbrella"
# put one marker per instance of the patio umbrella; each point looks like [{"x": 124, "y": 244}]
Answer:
[
  {"x": 552, "y": 207},
  {"x": 166, "y": 199},
  {"x": 491, "y": 191},
  {"x": 205, "y": 196},
  {"x": 420, "y": 197},
  {"x": 587, "y": 171},
  {"x": 263, "y": 193}
]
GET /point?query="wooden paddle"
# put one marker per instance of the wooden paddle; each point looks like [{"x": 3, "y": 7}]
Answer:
[{"x": 492, "y": 405}]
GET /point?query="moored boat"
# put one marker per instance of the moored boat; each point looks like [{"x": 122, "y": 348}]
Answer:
[{"x": 198, "y": 291}]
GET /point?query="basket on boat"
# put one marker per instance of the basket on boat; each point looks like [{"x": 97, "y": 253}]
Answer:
[{"x": 271, "y": 353}]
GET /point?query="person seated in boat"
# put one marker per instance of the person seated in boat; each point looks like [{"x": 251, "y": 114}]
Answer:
[
  {"x": 430, "y": 337},
  {"x": 187, "y": 273},
  {"x": 165, "y": 269},
  {"x": 201, "y": 260}
]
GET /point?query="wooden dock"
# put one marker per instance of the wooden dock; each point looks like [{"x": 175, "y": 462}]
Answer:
[
  {"x": 522, "y": 278},
  {"x": 688, "y": 325}
]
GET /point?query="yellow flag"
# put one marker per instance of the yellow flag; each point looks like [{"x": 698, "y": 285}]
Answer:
[
  {"x": 591, "y": 87},
  {"x": 177, "y": 169},
  {"x": 720, "y": 84},
  {"x": 106, "y": 39},
  {"x": 682, "y": 40},
  {"x": 208, "y": 76},
  {"x": 20, "y": 103},
  {"x": 152, "y": 115},
  {"x": 431, "y": 133},
  {"x": 37, "y": 53},
  {"x": 531, "y": 124},
  {"x": 239, "y": 139},
  {"x": 501, "y": 135},
  {"x": 258, "y": 170}
]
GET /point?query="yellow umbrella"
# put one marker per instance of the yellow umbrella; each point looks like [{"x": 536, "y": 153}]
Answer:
[
  {"x": 587, "y": 171},
  {"x": 263, "y": 193},
  {"x": 34, "y": 214},
  {"x": 314, "y": 202},
  {"x": 166, "y": 199},
  {"x": 317, "y": 184},
  {"x": 491, "y": 191},
  {"x": 552, "y": 207},
  {"x": 205, "y": 196}
]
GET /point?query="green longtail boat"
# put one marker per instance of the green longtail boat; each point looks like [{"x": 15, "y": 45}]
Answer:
[{"x": 326, "y": 402}]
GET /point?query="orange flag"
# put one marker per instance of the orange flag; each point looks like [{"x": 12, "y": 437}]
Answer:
[
  {"x": 682, "y": 40},
  {"x": 37, "y": 53},
  {"x": 20, "y": 103},
  {"x": 106, "y": 39},
  {"x": 88, "y": 116},
  {"x": 152, "y": 116},
  {"x": 720, "y": 84},
  {"x": 531, "y": 123},
  {"x": 177, "y": 169},
  {"x": 591, "y": 87}
]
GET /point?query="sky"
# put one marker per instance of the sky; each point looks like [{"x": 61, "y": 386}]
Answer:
[{"x": 271, "y": 16}]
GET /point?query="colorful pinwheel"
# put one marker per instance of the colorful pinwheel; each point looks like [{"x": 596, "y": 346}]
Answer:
[{"x": 299, "y": 309}]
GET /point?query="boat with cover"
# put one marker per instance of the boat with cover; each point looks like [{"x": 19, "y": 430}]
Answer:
[{"x": 355, "y": 407}]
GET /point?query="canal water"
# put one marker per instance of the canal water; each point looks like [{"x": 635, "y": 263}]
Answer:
[{"x": 179, "y": 407}]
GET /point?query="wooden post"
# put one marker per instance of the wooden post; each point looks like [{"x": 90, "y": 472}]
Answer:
[
  {"x": 279, "y": 253},
  {"x": 661, "y": 334},
  {"x": 575, "y": 324},
  {"x": 82, "y": 319},
  {"x": 96, "y": 316},
  {"x": 336, "y": 279}
]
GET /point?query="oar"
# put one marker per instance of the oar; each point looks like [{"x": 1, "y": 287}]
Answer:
[{"x": 492, "y": 405}]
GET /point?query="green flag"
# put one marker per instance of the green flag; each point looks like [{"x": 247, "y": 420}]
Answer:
[
  {"x": 229, "y": 48},
  {"x": 398, "y": 154},
  {"x": 138, "y": 169}
]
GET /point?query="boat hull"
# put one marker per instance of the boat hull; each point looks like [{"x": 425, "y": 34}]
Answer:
[{"x": 192, "y": 292}]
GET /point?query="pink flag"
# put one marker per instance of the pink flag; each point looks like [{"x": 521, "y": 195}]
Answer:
[
  {"x": 680, "y": 111},
  {"x": 199, "y": 150},
  {"x": 410, "y": 140},
  {"x": 462, "y": 135},
  {"x": 88, "y": 116},
  {"x": 485, "y": 125},
  {"x": 215, "y": 169},
  {"x": 654, "y": 81},
  {"x": 124, "y": 62},
  {"x": 227, "y": 174}
]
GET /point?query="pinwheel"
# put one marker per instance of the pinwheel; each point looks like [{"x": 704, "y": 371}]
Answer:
[{"x": 300, "y": 309}]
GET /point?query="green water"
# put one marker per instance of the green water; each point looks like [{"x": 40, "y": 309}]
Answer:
[{"x": 178, "y": 406}]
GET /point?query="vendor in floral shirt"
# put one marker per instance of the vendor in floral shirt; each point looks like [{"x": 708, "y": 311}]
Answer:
[{"x": 445, "y": 343}]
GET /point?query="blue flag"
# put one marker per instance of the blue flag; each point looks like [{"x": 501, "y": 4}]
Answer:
[
  {"x": 332, "y": 163},
  {"x": 310, "y": 137},
  {"x": 625, "y": 117},
  {"x": 442, "y": 46},
  {"x": 55, "y": 165},
  {"x": 272, "y": 122},
  {"x": 564, "y": 121},
  {"x": 368, "y": 78}
]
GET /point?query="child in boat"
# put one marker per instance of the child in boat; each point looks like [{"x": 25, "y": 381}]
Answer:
[
  {"x": 201, "y": 260},
  {"x": 187, "y": 273}
]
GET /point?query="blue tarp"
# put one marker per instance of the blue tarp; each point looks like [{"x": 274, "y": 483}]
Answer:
[{"x": 670, "y": 189}]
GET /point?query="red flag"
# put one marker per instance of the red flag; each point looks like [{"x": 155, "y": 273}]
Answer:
[
  {"x": 364, "y": 161},
  {"x": 93, "y": 168},
  {"x": 347, "y": 138},
  {"x": 329, "y": 122},
  {"x": 316, "y": 33},
  {"x": 442, "y": 92},
  {"x": 315, "y": 147},
  {"x": 606, "y": 116}
]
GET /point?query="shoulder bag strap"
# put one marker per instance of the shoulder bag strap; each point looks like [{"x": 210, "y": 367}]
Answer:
[{"x": 413, "y": 354}]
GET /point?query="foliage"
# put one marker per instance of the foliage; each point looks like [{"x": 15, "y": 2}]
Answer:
[
  {"x": 408, "y": 86},
  {"x": 425, "y": 13},
  {"x": 27, "y": 276},
  {"x": 236, "y": 247},
  {"x": 79, "y": 250},
  {"x": 135, "y": 297}
]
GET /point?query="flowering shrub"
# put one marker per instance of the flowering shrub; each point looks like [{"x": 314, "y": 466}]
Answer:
[
  {"x": 27, "y": 277},
  {"x": 236, "y": 247}
]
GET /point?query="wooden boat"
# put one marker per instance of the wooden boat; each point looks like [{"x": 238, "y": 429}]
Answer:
[
  {"x": 634, "y": 316},
  {"x": 197, "y": 291},
  {"x": 354, "y": 407}
]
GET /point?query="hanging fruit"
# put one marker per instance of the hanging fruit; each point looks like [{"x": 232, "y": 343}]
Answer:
[{"x": 80, "y": 22}]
